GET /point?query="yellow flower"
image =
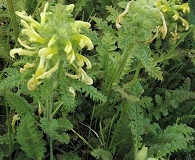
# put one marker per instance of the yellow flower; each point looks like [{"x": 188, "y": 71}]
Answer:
[
  {"x": 43, "y": 14},
  {"x": 41, "y": 73},
  {"x": 165, "y": 8},
  {"x": 70, "y": 7},
  {"x": 26, "y": 66},
  {"x": 52, "y": 41},
  {"x": 68, "y": 47},
  {"x": 176, "y": 15},
  {"x": 72, "y": 91},
  {"x": 81, "y": 60},
  {"x": 79, "y": 24},
  {"x": 184, "y": 23},
  {"x": 44, "y": 39},
  {"x": 24, "y": 16},
  {"x": 48, "y": 73},
  {"x": 71, "y": 57},
  {"x": 23, "y": 43},
  {"x": 84, "y": 41},
  {"x": 21, "y": 51},
  {"x": 184, "y": 7},
  {"x": 164, "y": 27},
  {"x": 15, "y": 118},
  {"x": 48, "y": 52},
  {"x": 33, "y": 83},
  {"x": 157, "y": 3},
  {"x": 175, "y": 35},
  {"x": 82, "y": 76},
  {"x": 33, "y": 36},
  {"x": 119, "y": 18}
]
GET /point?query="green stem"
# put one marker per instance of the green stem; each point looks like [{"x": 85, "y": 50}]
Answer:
[
  {"x": 8, "y": 128},
  {"x": 137, "y": 73},
  {"x": 13, "y": 18},
  {"x": 116, "y": 128},
  {"x": 51, "y": 147},
  {"x": 116, "y": 72},
  {"x": 49, "y": 114}
]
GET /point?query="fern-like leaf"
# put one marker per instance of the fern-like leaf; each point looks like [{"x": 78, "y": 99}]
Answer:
[
  {"x": 4, "y": 145},
  {"x": 125, "y": 95},
  {"x": 100, "y": 153},
  {"x": 30, "y": 138},
  {"x": 138, "y": 124},
  {"x": 13, "y": 79},
  {"x": 55, "y": 130},
  {"x": 79, "y": 5},
  {"x": 173, "y": 138},
  {"x": 19, "y": 104},
  {"x": 68, "y": 156},
  {"x": 107, "y": 56},
  {"x": 104, "y": 26},
  {"x": 144, "y": 55},
  {"x": 92, "y": 92}
]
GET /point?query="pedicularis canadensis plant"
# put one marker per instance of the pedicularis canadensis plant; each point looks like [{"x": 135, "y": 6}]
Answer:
[
  {"x": 144, "y": 106},
  {"x": 56, "y": 35},
  {"x": 53, "y": 69}
]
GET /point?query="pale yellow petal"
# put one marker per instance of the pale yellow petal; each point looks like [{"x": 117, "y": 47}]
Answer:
[
  {"x": 24, "y": 16},
  {"x": 21, "y": 51},
  {"x": 70, "y": 7},
  {"x": 47, "y": 52},
  {"x": 85, "y": 41},
  {"x": 72, "y": 91},
  {"x": 41, "y": 67},
  {"x": 33, "y": 36},
  {"x": 15, "y": 118},
  {"x": 71, "y": 57},
  {"x": 73, "y": 76},
  {"x": 23, "y": 43},
  {"x": 52, "y": 40},
  {"x": 184, "y": 23},
  {"x": 68, "y": 47},
  {"x": 79, "y": 24},
  {"x": 81, "y": 60},
  {"x": 33, "y": 83},
  {"x": 43, "y": 14},
  {"x": 84, "y": 77},
  {"x": 48, "y": 73}
]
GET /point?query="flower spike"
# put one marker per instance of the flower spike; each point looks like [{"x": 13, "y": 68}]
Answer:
[{"x": 47, "y": 40}]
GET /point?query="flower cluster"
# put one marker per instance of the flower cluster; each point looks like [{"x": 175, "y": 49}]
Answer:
[
  {"x": 177, "y": 10},
  {"x": 163, "y": 28},
  {"x": 57, "y": 34}
]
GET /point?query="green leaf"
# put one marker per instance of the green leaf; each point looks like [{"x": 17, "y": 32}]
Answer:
[
  {"x": 30, "y": 138},
  {"x": 144, "y": 54},
  {"x": 55, "y": 130},
  {"x": 172, "y": 139},
  {"x": 19, "y": 104},
  {"x": 68, "y": 156},
  {"x": 13, "y": 79},
  {"x": 91, "y": 91},
  {"x": 101, "y": 154}
]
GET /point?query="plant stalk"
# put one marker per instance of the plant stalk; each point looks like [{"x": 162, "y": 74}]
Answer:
[{"x": 8, "y": 129}]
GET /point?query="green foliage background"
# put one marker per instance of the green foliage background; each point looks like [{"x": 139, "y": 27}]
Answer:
[{"x": 143, "y": 93}]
